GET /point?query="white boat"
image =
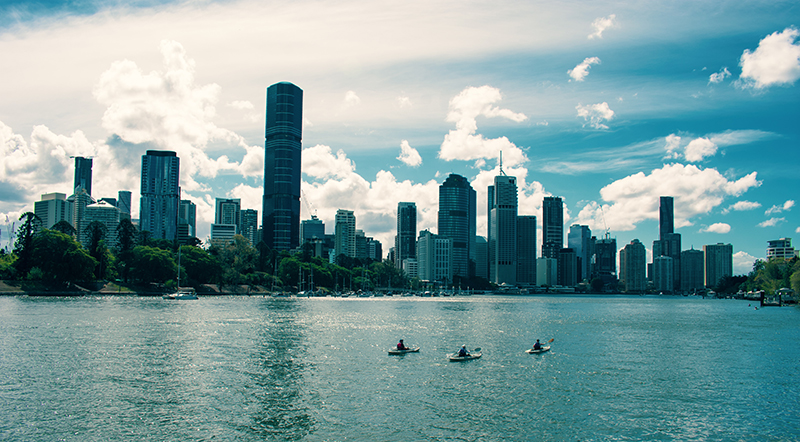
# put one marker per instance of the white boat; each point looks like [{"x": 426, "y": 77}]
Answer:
[
  {"x": 396, "y": 351},
  {"x": 532, "y": 351},
  {"x": 182, "y": 293}
]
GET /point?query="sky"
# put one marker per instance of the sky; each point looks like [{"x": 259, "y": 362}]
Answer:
[{"x": 607, "y": 104}]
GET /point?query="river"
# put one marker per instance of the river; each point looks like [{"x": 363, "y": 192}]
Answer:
[{"x": 317, "y": 369}]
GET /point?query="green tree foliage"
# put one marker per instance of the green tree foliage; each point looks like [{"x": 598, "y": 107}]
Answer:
[
  {"x": 23, "y": 247},
  {"x": 199, "y": 266},
  {"x": 151, "y": 264},
  {"x": 60, "y": 258},
  {"x": 65, "y": 227},
  {"x": 774, "y": 274},
  {"x": 238, "y": 259},
  {"x": 7, "y": 260},
  {"x": 126, "y": 241},
  {"x": 96, "y": 232}
]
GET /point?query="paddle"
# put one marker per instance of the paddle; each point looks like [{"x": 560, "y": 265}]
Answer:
[{"x": 551, "y": 340}]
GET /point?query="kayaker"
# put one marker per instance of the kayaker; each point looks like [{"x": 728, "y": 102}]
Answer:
[
  {"x": 537, "y": 345},
  {"x": 462, "y": 352},
  {"x": 401, "y": 346}
]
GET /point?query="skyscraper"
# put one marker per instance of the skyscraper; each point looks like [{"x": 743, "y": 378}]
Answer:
[
  {"x": 633, "y": 267},
  {"x": 283, "y": 145},
  {"x": 345, "y": 231},
  {"x": 248, "y": 225},
  {"x": 312, "y": 228},
  {"x": 605, "y": 260},
  {"x": 107, "y": 215},
  {"x": 160, "y": 194},
  {"x": 666, "y": 216},
  {"x": 669, "y": 242},
  {"x": 526, "y": 250},
  {"x": 457, "y": 221},
  {"x": 435, "y": 258},
  {"x": 718, "y": 262},
  {"x": 83, "y": 174},
  {"x": 503, "y": 230},
  {"x": 124, "y": 203},
  {"x": 580, "y": 240},
  {"x": 692, "y": 271},
  {"x": 53, "y": 208},
  {"x": 187, "y": 221},
  {"x": 228, "y": 211},
  {"x": 405, "y": 242},
  {"x": 552, "y": 226}
]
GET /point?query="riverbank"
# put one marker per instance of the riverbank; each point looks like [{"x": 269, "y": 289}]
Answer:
[{"x": 37, "y": 288}]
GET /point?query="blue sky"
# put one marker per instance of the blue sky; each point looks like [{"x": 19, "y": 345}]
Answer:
[{"x": 606, "y": 104}]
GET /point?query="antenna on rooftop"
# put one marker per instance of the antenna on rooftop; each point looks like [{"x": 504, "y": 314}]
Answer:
[{"x": 501, "y": 163}]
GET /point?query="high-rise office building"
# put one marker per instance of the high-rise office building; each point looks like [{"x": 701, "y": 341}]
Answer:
[
  {"x": 248, "y": 225},
  {"x": 52, "y": 208},
  {"x": 633, "y": 267},
  {"x": 160, "y": 194},
  {"x": 107, "y": 215},
  {"x": 552, "y": 226},
  {"x": 457, "y": 221},
  {"x": 405, "y": 242},
  {"x": 481, "y": 257},
  {"x": 718, "y": 262},
  {"x": 526, "y": 250},
  {"x": 503, "y": 230},
  {"x": 187, "y": 221},
  {"x": 669, "y": 242},
  {"x": 567, "y": 272},
  {"x": 124, "y": 203},
  {"x": 605, "y": 260},
  {"x": 283, "y": 145},
  {"x": 579, "y": 239},
  {"x": 79, "y": 201},
  {"x": 662, "y": 274},
  {"x": 228, "y": 211},
  {"x": 546, "y": 272},
  {"x": 311, "y": 229},
  {"x": 666, "y": 216},
  {"x": 83, "y": 174},
  {"x": 434, "y": 258},
  {"x": 345, "y": 231},
  {"x": 692, "y": 271}
]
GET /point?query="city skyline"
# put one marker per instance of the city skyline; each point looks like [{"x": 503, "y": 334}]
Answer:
[{"x": 608, "y": 106}]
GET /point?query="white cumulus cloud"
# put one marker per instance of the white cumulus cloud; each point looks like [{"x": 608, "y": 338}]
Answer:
[
  {"x": 700, "y": 148},
  {"x": 595, "y": 114},
  {"x": 634, "y": 198},
  {"x": 600, "y": 24},
  {"x": 579, "y": 72},
  {"x": 741, "y": 206},
  {"x": 717, "y": 228},
  {"x": 409, "y": 155},
  {"x": 743, "y": 263},
  {"x": 350, "y": 100},
  {"x": 776, "y": 61},
  {"x": 778, "y": 209},
  {"x": 463, "y": 143},
  {"x": 771, "y": 222},
  {"x": 673, "y": 143}
]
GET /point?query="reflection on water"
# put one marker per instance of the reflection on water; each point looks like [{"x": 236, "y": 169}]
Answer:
[{"x": 282, "y": 402}]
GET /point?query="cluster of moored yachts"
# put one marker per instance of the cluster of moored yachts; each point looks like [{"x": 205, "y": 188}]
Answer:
[{"x": 465, "y": 355}]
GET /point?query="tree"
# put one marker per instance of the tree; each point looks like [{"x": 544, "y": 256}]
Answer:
[
  {"x": 65, "y": 227},
  {"x": 238, "y": 259},
  {"x": 199, "y": 265},
  {"x": 23, "y": 246},
  {"x": 150, "y": 264},
  {"x": 126, "y": 236},
  {"x": 60, "y": 258},
  {"x": 96, "y": 232}
]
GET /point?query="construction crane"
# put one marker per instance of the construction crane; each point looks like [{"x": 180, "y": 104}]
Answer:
[
  {"x": 311, "y": 210},
  {"x": 603, "y": 215}
]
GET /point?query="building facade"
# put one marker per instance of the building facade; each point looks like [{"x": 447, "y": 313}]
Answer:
[
  {"x": 345, "y": 233},
  {"x": 283, "y": 146},
  {"x": 552, "y": 226},
  {"x": 52, "y": 208},
  {"x": 662, "y": 274},
  {"x": 579, "y": 239},
  {"x": 228, "y": 211},
  {"x": 692, "y": 271},
  {"x": 718, "y": 262},
  {"x": 83, "y": 174},
  {"x": 405, "y": 242},
  {"x": 526, "y": 250},
  {"x": 160, "y": 194},
  {"x": 776, "y": 248},
  {"x": 633, "y": 267},
  {"x": 106, "y": 214},
  {"x": 248, "y": 225},
  {"x": 457, "y": 221},
  {"x": 435, "y": 258},
  {"x": 503, "y": 230}
]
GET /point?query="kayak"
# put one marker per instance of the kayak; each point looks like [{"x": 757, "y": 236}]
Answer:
[
  {"x": 536, "y": 352},
  {"x": 395, "y": 351},
  {"x": 456, "y": 358}
]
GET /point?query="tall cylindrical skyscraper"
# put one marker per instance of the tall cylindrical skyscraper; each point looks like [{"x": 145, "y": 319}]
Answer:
[{"x": 283, "y": 145}]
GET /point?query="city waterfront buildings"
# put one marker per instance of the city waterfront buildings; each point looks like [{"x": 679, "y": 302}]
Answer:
[
  {"x": 552, "y": 226},
  {"x": 435, "y": 258},
  {"x": 160, "y": 194},
  {"x": 248, "y": 225},
  {"x": 567, "y": 271},
  {"x": 457, "y": 221},
  {"x": 579, "y": 239},
  {"x": 311, "y": 229},
  {"x": 662, "y": 274},
  {"x": 546, "y": 272},
  {"x": 718, "y": 262},
  {"x": 83, "y": 174},
  {"x": 187, "y": 221},
  {"x": 52, "y": 208},
  {"x": 692, "y": 271},
  {"x": 106, "y": 214},
  {"x": 283, "y": 145},
  {"x": 776, "y": 248}
]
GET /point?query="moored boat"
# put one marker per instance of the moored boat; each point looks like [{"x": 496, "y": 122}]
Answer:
[{"x": 181, "y": 294}]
